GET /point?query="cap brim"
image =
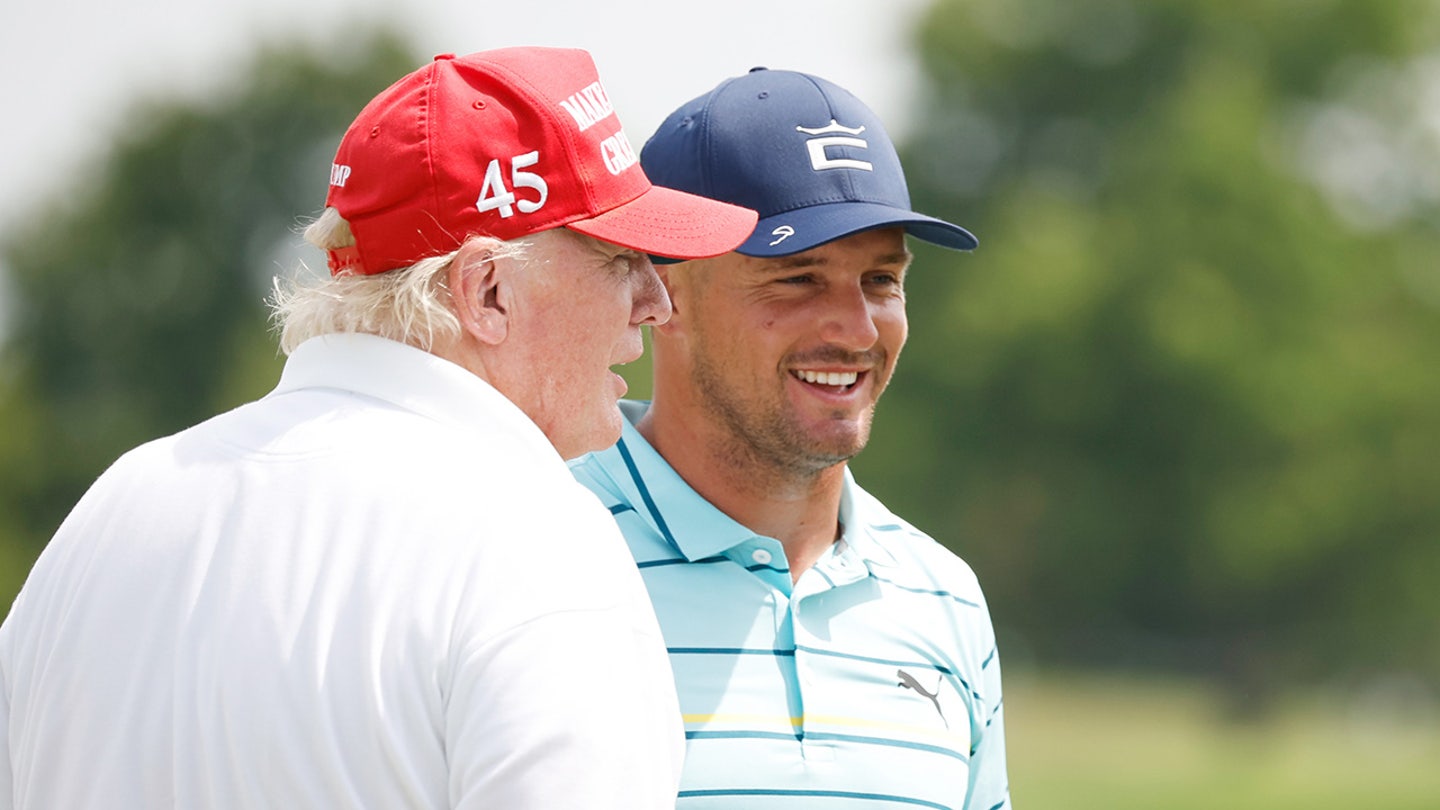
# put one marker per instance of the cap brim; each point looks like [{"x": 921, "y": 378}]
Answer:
[
  {"x": 673, "y": 224},
  {"x": 805, "y": 228}
]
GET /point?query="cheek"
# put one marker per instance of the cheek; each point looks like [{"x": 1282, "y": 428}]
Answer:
[
  {"x": 894, "y": 326},
  {"x": 894, "y": 331},
  {"x": 592, "y": 327}
]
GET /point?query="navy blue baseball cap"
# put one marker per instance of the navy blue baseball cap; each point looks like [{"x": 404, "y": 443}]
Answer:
[{"x": 808, "y": 155}]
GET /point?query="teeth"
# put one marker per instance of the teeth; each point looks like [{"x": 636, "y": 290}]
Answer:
[{"x": 829, "y": 377}]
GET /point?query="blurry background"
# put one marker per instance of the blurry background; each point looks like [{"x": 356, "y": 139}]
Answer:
[{"x": 1180, "y": 411}]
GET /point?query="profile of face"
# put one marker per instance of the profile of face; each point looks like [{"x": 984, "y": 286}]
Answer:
[
  {"x": 790, "y": 354},
  {"x": 574, "y": 307}
]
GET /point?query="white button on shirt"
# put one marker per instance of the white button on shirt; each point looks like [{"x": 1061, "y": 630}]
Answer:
[{"x": 761, "y": 556}]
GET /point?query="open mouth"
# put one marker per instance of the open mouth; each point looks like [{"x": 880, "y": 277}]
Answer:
[{"x": 839, "y": 381}]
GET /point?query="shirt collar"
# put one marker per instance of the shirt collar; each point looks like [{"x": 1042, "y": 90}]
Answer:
[
  {"x": 699, "y": 530},
  {"x": 408, "y": 378},
  {"x": 692, "y": 524},
  {"x": 863, "y": 517}
]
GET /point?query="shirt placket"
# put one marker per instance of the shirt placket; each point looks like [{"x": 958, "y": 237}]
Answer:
[{"x": 811, "y": 665}]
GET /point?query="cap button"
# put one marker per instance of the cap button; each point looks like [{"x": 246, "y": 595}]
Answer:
[
  {"x": 440, "y": 56},
  {"x": 758, "y": 69}
]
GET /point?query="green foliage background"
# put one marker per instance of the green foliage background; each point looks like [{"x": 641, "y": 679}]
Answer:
[
  {"x": 138, "y": 305},
  {"x": 1181, "y": 410},
  {"x": 1182, "y": 407}
]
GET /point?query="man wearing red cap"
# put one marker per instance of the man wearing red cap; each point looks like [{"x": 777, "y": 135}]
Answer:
[{"x": 378, "y": 586}]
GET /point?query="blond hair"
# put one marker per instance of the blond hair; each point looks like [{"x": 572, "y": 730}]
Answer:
[{"x": 409, "y": 305}]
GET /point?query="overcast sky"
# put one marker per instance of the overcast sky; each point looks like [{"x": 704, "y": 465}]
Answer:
[{"x": 72, "y": 69}]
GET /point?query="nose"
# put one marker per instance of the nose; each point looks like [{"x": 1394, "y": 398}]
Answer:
[
  {"x": 848, "y": 320},
  {"x": 652, "y": 302}
]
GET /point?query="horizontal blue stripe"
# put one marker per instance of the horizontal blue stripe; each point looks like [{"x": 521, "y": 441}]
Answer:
[
  {"x": 655, "y": 563},
  {"x": 728, "y": 651},
  {"x": 621, "y": 507},
  {"x": 742, "y": 735},
  {"x": 887, "y": 527},
  {"x": 681, "y": 561},
  {"x": 868, "y": 659},
  {"x": 767, "y": 568},
  {"x": 1004, "y": 802},
  {"x": 799, "y": 736},
  {"x": 813, "y": 794},
  {"x": 944, "y": 594},
  {"x": 889, "y": 742},
  {"x": 832, "y": 654},
  {"x": 894, "y": 663}
]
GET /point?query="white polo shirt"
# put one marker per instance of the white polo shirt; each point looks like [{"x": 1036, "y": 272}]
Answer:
[
  {"x": 376, "y": 587},
  {"x": 872, "y": 683}
]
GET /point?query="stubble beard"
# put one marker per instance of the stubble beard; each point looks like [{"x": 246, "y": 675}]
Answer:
[{"x": 767, "y": 437}]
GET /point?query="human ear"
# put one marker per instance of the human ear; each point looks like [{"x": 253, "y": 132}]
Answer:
[{"x": 478, "y": 289}]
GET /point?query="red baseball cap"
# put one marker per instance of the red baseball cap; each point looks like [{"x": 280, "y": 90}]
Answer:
[{"x": 506, "y": 143}]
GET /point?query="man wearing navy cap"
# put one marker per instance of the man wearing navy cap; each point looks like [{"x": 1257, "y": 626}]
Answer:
[{"x": 827, "y": 653}]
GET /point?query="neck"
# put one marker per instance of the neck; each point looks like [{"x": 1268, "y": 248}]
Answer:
[
  {"x": 464, "y": 353},
  {"x": 800, "y": 508}
]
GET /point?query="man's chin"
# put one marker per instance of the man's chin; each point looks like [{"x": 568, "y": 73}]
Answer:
[
  {"x": 824, "y": 452},
  {"x": 603, "y": 436},
  {"x": 840, "y": 438}
]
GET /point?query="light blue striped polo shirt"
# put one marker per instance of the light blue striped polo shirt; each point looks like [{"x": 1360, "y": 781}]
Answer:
[{"x": 872, "y": 683}]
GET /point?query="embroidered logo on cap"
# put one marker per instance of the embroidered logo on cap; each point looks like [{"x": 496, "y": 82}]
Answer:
[
  {"x": 589, "y": 106},
  {"x": 495, "y": 196},
  {"x": 617, "y": 153},
  {"x": 820, "y": 161},
  {"x": 784, "y": 232}
]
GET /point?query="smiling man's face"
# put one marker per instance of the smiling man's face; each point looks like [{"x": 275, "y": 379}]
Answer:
[{"x": 791, "y": 353}]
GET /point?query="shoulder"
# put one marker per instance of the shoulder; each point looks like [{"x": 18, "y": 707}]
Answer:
[
  {"x": 915, "y": 549},
  {"x": 920, "y": 561},
  {"x": 930, "y": 592}
]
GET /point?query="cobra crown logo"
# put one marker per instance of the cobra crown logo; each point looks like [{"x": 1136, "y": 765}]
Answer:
[{"x": 820, "y": 161}]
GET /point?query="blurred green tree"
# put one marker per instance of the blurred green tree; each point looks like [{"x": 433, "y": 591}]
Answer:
[
  {"x": 1182, "y": 407},
  {"x": 138, "y": 298}
]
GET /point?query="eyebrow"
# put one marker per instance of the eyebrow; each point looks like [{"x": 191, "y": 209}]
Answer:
[
  {"x": 609, "y": 250},
  {"x": 612, "y": 256}
]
